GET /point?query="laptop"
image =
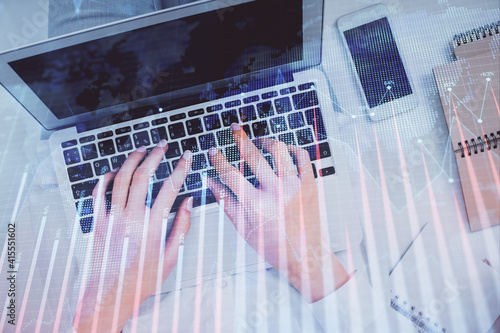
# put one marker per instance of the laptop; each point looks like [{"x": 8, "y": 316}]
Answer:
[{"x": 185, "y": 75}]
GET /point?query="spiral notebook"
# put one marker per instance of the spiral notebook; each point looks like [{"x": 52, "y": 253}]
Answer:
[
  {"x": 439, "y": 286},
  {"x": 469, "y": 89}
]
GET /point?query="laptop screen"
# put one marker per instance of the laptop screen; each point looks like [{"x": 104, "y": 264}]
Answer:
[{"x": 165, "y": 57}]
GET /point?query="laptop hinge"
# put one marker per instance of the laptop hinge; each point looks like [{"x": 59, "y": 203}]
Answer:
[{"x": 210, "y": 93}]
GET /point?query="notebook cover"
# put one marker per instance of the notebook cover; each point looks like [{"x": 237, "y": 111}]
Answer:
[{"x": 469, "y": 89}]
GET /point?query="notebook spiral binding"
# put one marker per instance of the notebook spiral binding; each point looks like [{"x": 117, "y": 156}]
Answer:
[
  {"x": 476, "y": 34},
  {"x": 419, "y": 320},
  {"x": 477, "y": 145}
]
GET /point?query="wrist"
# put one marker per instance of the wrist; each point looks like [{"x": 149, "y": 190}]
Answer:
[{"x": 315, "y": 277}]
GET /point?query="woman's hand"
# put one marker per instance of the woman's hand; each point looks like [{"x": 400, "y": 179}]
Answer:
[
  {"x": 280, "y": 219},
  {"x": 135, "y": 232}
]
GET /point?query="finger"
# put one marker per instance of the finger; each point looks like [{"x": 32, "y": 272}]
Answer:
[
  {"x": 254, "y": 158},
  {"x": 304, "y": 164},
  {"x": 177, "y": 235},
  {"x": 231, "y": 206},
  {"x": 142, "y": 176},
  {"x": 124, "y": 176},
  {"x": 99, "y": 193},
  {"x": 171, "y": 186},
  {"x": 231, "y": 176},
  {"x": 281, "y": 156}
]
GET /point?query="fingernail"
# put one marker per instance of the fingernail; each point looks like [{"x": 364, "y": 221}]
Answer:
[
  {"x": 212, "y": 151},
  {"x": 235, "y": 127},
  {"x": 189, "y": 206},
  {"x": 182, "y": 237},
  {"x": 115, "y": 170},
  {"x": 141, "y": 149},
  {"x": 162, "y": 143},
  {"x": 188, "y": 155}
]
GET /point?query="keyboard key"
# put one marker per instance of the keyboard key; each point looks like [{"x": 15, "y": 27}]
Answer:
[
  {"x": 212, "y": 122},
  {"x": 80, "y": 172},
  {"x": 178, "y": 201},
  {"x": 229, "y": 117},
  {"x": 87, "y": 139},
  {"x": 278, "y": 124},
  {"x": 283, "y": 105},
  {"x": 70, "y": 143},
  {"x": 247, "y": 113},
  {"x": 72, "y": 156},
  {"x": 327, "y": 171},
  {"x": 304, "y": 137},
  {"x": 265, "y": 109},
  {"x": 269, "y": 160},
  {"x": 287, "y": 138},
  {"x": 203, "y": 197},
  {"x": 233, "y": 154},
  {"x": 89, "y": 152},
  {"x": 270, "y": 94},
  {"x": 287, "y": 91},
  {"x": 123, "y": 130},
  {"x": 153, "y": 192},
  {"x": 296, "y": 120},
  {"x": 189, "y": 144},
  {"x": 193, "y": 181},
  {"x": 86, "y": 224},
  {"x": 260, "y": 129},
  {"x": 254, "y": 181},
  {"x": 160, "y": 121},
  {"x": 212, "y": 173},
  {"x": 319, "y": 151},
  {"x": 194, "y": 126},
  {"x": 207, "y": 141},
  {"x": 158, "y": 134},
  {"x": 232, "y": 104},
  {"x": 214, "y": 108},
  {"x": 305, "y": 100},
  {"x": 315, "y": 119},
  {"x": 141, "y": 139},
  {"x": 195, "y": 113},
  {"x": 324, "y": 150},
  {"x": 312, "y": 152},
  {"x": 84, "y": 207},
  {"x": 245, "y": 169},
  {"x": 163, "y": 170},
  {"x": 251, "y": 99},
  {"x": 104, "y": 135},
  {"x": 178, "y": 116},
  {"x": 173, "y": 150},
  {"x": 315, "y": 172},
  {"x": 124, "y": 143},
  {"x": 306, "y": 86},
  {"x": 176, "y": 131},
  {"x": 106, "y": 148},
  {"x": 83, "y": 190},
  {"x": 101, "y": 167},
  {"x": 141, "y": 126},
  {"x": 247, "y": 130},
  {"x": 117, "y": 161},
  {"x": 174, "y": 163},
  {"x": 199, "y": 162},
  {"x": 225, "y": 137}
]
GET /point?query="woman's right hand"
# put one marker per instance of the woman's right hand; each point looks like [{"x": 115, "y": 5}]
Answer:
[{"x": 281, "y": 218}]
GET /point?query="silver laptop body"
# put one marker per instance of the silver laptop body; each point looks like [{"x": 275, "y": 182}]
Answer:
[{"x": 185, "y": 75}]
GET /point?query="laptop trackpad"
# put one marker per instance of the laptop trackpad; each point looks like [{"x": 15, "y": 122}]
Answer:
[{"x": 213, "y": 247}]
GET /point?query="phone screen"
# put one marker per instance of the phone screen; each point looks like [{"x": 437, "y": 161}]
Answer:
[{"x": 378, "y": 63}]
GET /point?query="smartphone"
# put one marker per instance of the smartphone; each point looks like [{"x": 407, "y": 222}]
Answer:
[{"x": 378, "y": 63}]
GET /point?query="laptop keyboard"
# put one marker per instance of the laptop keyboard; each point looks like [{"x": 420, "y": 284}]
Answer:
[{"x": 291, "y": 115}]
